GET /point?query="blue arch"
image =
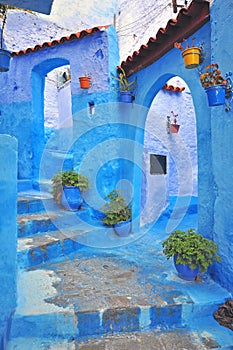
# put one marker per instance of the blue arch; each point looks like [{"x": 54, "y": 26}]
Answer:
[{"x": 38, "y": 84}]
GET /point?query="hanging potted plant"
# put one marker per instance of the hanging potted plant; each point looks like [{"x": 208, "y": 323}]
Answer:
[
  {"x": 174, "y": 127},
  {"x": 214, "y": 85},
  {"x": 191, "y": 55},
  {"x": 127, "y": 88},
  {"x": 5, "y": 55},
  {"x": 85, "y": 81},
  {"x": 192, "y": 253},
  {"x": 117, "y": 213},
  {"x": 67, "y": 187}
]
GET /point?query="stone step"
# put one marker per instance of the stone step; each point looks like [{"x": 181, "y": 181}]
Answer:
[
  {"x": 148, "y": 340},
  {"x": 47, "y": 246},
  {"x": 31, "y": 202},
  {"x": 31, "y": 224},
  {"x": 101, "y": 292}
]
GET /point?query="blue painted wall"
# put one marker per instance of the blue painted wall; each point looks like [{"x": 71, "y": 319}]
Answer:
[
  {"x": 222, "y": 145},
  {"x": 8, "y": 236},
  {"x": 22, "y": 99},
  {"x": 214, "y": 138},
  {"x": 152, "y": 80}
]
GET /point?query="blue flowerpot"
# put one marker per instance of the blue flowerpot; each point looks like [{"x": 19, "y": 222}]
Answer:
[
  {"x": 216, "y": 95},
  {"x": 5, "y": 57},
  {"x": 123, "y": 229},
  {"x": 126, "y": 96},
  {"x": 185, "y": 272},
  {"x": 71, "y": 198}
]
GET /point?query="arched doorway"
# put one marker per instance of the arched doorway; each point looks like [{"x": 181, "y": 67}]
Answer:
[
  {"x": 169, "y": 159},
  {"x": 39, "y": 136}
]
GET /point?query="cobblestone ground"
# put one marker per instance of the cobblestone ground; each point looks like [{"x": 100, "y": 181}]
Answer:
[
  {"x": 101, "y": 282},
  {"x": 171, "y": 340}
]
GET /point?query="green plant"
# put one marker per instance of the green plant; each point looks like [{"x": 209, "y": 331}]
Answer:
[
  {"x": 68, "y": 178},
  {"x": 212, "y": 76},
  {"x": 124, "y": 83},
  {"x": 191, "y": 249},
  {"x": 116, "y": 209}
]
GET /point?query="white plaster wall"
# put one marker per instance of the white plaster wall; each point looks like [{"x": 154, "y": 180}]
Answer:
[
  {"x": 137, "y": 21},
  {"x": 51, "y": 112}
]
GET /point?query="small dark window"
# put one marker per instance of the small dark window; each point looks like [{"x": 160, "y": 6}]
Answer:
[{"x": 158, "y": 164}]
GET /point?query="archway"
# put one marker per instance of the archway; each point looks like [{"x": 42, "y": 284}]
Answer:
[
  {"x": 164, "y": 163},
  {"x": 39, "y": 74}
]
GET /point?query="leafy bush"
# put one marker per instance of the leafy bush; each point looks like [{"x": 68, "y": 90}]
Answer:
[
  {"x": 116, "y": 210},
  {"x": 191, "y": 249},
  {"x": 68, "y": 178}
]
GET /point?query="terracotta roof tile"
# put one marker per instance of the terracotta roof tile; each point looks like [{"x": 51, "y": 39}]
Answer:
[
  {"x": 71, "y": 37},
  {"x": 173, "y": 88},
  {"x": 187, "y": 23}
]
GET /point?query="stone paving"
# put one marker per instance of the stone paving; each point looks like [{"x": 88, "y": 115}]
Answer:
[
  {"x": 148, "y": 340},
  {"x": 127, "y": 294}
]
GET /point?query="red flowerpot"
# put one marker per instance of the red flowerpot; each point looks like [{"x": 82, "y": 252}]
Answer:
[
  {"x": 85, "y": 82},
  {"x": 174, "y": 128}
]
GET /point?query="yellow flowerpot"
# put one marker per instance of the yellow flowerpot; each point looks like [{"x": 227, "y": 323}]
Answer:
[{"x": 191, "y": 57}]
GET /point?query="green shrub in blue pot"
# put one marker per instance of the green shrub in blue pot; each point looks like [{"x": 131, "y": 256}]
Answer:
[
  {"x": 117, "y": 213},
  {"x": 192, "y": 253},
  {"x": 67, "y": 188}
]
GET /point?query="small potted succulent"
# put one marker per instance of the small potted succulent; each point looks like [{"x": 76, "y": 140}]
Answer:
[
  {"x": 214, "y": 84},
  {"x": 67, "y": 187},
  {"x": 117, "y": 213},
  {"x": 5, "y": 55},
  {"x": 127, "y": 88},
  {"x": 191, "y": 54},
  {"x": 192, "y": 253}
]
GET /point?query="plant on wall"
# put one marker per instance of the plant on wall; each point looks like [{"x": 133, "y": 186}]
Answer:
[
  {"x": 214, "y": 84},
  {"x": 172, "y": 127},
  {"x": 127, "y": 88},
  {"x": 212, "y": 76},
  {"x": 191, "y": 54}
]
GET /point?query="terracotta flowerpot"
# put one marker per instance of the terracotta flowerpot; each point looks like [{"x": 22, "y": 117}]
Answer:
[
  {"x": 174, "y": 128},
  {"x": 191, "y": 57},
  {"x": 85, "y": 82}
]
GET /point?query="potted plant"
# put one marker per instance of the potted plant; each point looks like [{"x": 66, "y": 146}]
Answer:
[
  {"x": 117, "y": 213},
  {"x": 192, "y": 253},
  {"x": 127, "y": 88},
  {"x": 85, "y": 81},
  {"x": 174, "y": 127},
  {"x": 5, "y": 55},
  {"x": 67, "y": 187},
  {"x": 214, "y": 85},
  {"x": 191, "y": 55}
]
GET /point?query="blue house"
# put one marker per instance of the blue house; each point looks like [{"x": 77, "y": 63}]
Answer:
[{"x": 106, "y": 143}]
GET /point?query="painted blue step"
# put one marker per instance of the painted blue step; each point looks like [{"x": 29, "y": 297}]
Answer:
[
  {"x": 30, "y": 224},
  {"x": 47, "y": 246},
  {"x": 148, "y": 340},
  {"x": 31, "y": 202}
]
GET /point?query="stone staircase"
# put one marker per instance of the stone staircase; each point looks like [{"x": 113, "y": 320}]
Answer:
[{"x": 82, "y": 287}]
